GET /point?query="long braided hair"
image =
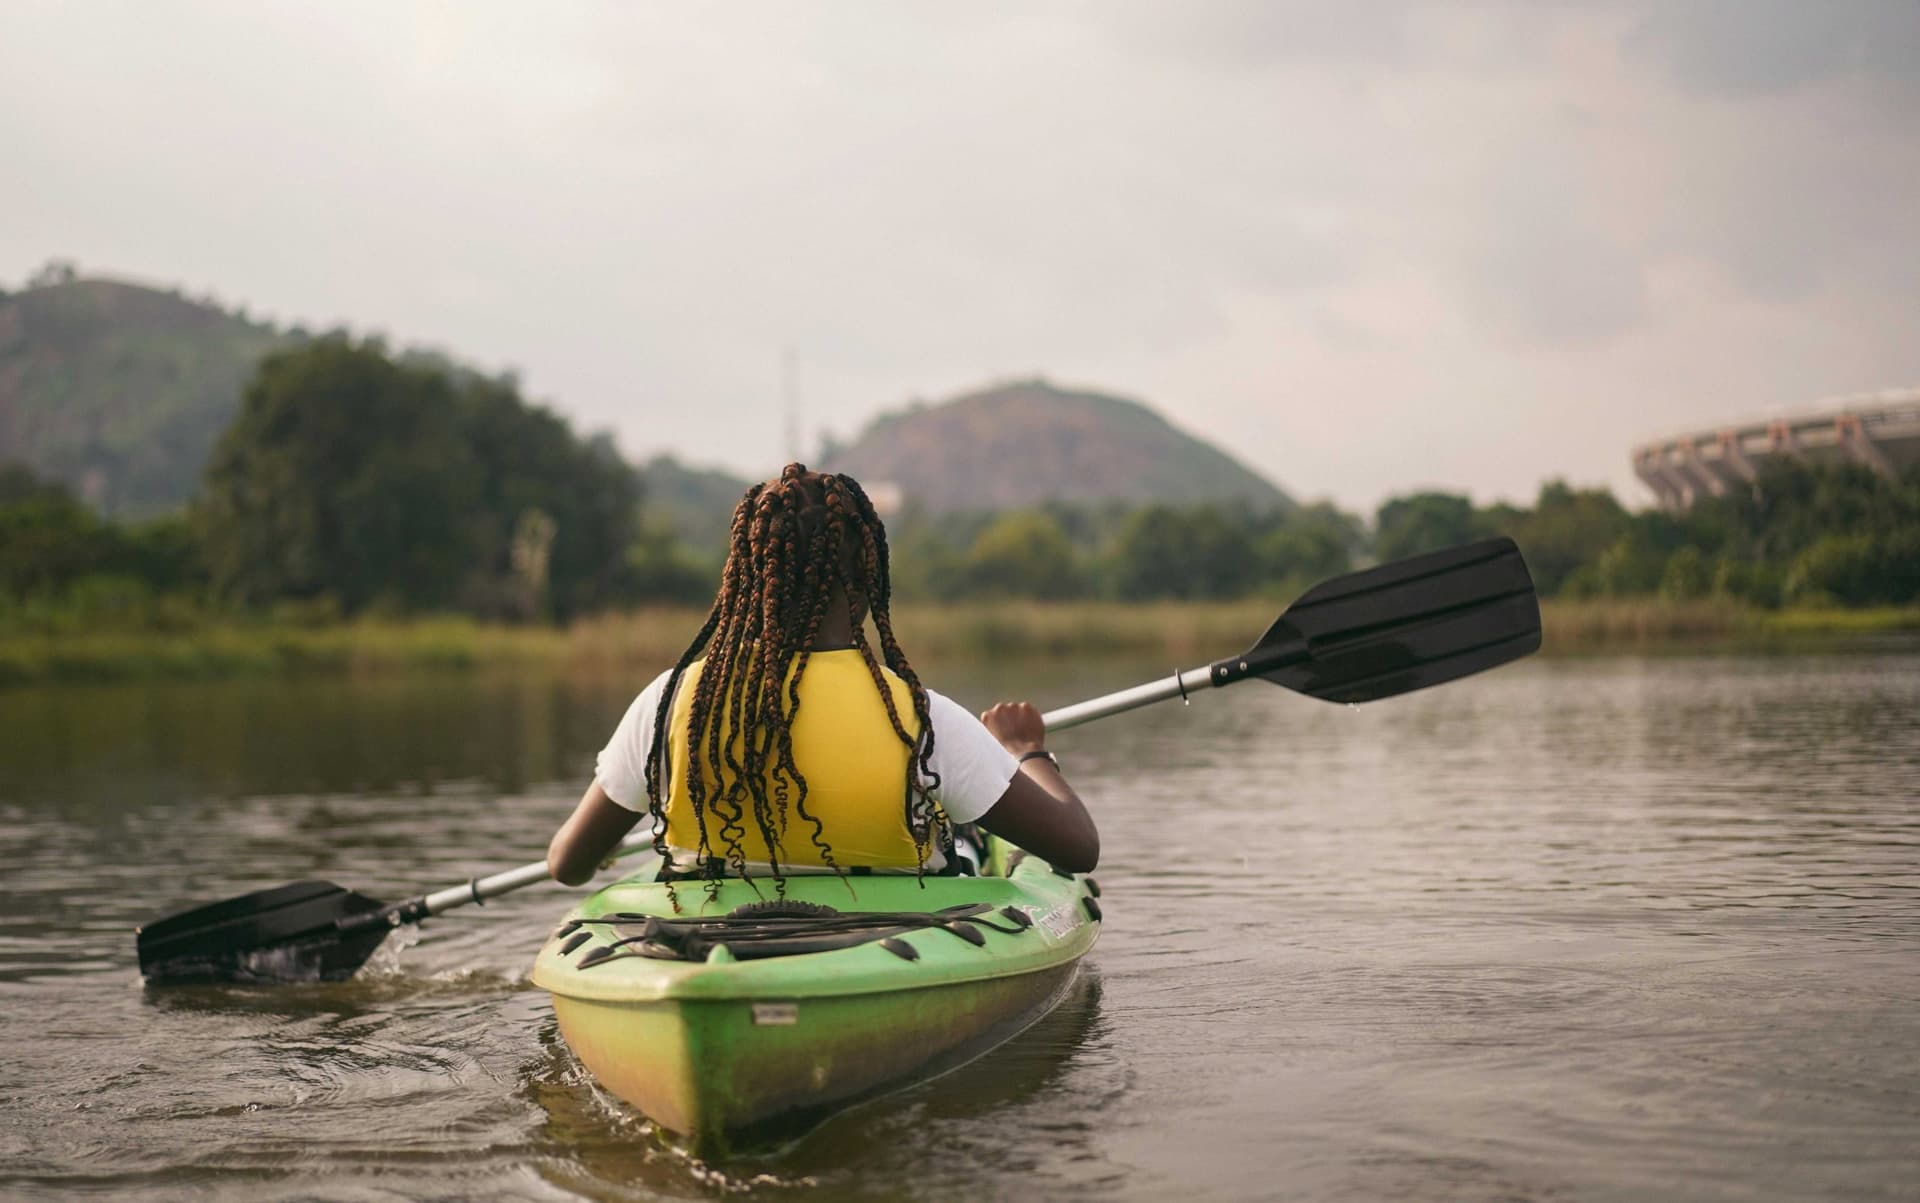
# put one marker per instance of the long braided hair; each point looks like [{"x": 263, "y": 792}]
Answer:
[{"x": 796, "y": 542}]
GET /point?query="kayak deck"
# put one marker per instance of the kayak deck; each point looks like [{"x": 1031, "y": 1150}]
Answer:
[{"x": 729, "y": 1051}]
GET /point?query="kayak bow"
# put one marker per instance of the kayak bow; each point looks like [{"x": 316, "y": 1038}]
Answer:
[{"x": 740, "y": 1019}]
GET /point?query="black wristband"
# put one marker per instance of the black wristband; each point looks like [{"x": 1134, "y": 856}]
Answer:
[{"x": 1035, "y": 755}]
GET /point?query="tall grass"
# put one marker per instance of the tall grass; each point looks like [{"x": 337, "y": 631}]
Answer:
[
  {"x": 951, "y": 631},
  {"x": 1634, "y": 623},
  {"x": 1182, "y": 630},
  {"x": 1838, "y": 623},
  {"x": 240, "y": 650},
  {"x": 1185, "y": 633},
  {"x": 1638, "y": 622}
]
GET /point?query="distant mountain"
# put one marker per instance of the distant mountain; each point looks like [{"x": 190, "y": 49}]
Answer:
[
  {"x": 1028, "y": 442},
  {"x": 120, "y": 390}
]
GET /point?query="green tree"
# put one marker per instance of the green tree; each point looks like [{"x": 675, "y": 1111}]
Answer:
[
  {"x": 345, "y": 474},
  {"x": 352, "y": 475},
  {"x": 1024, "y": 553},
  {"x": 1407, "y": 526},
  {"x": 1858, "y": 570},
  {"x": 664, "y": 569},
  {"x": 1832, "y": 532},
  {"x": 1311, "y": 543},
  {"x": 1685, "y": 577},
  {"x": 528, "y": 461},
  {"x": 49, "y": 538},
  {"x": 926, "y": 560},
  {"x": 1167, "y": 552},
  {"x": 19, "y": 483},
  {"x": 1626, "y": 568},
  {"x": 81, "y": 570},
  {"x": 1742, "y": 579},
  {"x": 1566, "y": 528}
]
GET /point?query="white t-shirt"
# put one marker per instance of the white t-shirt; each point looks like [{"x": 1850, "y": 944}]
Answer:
[{"x": 974, "y": 770}]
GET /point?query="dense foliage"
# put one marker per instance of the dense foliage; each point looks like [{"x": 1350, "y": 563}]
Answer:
[
  {"x": 1804, "y": 534},
  {"x": 384, "y": 482},
  {"x": 1131, "y": 553},
  {"x": 62, "y": 566},
  {"x": 352, "y": 480}
]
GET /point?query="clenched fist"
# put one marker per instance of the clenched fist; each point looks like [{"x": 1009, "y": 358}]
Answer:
[{"x": 1017, "y": 725}]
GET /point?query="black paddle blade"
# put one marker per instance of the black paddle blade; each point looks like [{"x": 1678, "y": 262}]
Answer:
[
  {"x": 1403, "y": 626},
  {"x": 286, "y": 934}
]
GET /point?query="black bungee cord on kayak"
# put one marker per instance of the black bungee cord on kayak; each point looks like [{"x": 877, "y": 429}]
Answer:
[{"x": 774, "y": 929}]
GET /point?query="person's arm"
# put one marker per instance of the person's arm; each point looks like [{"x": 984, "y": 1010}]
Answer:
[
  {"x": 1039, "y": 812},
  {"x": 598, "y": 822},
  {"x": 588, "y": 836}
]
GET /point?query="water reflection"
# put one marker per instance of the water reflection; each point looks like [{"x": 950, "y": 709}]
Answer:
[
  {"x": 1588, "y": 928},
  {"x": 1052, "y": 1082},
  {"x": 86, "y": 747}
]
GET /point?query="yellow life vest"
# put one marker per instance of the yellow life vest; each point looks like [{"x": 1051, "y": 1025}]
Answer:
[{"x": 846, "y": 748}]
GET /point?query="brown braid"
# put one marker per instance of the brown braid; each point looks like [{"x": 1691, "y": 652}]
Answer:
[
  {"x": 793, "y": 541},
  {"x": 922, "y": 813}
]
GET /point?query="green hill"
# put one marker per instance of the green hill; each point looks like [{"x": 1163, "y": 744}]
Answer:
[
  {"x": 1028, "y": 442},
  {"x": 696, "y": 504},
  {"x": 120, "y": 390}
]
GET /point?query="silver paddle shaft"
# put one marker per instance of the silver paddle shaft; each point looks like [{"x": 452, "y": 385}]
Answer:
[
  {"x": 492, "y": 886},
  {"x": 1179, "y": 685}
]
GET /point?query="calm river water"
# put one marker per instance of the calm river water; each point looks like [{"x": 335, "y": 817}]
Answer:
[{"x": 1579, "y": 929}]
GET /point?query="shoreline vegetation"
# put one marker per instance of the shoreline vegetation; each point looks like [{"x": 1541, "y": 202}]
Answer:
[
  {"x": 1188, "y": 633},
  {"x": 367, "y": 511}
]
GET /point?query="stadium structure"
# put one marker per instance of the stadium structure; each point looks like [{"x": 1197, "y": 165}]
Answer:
[{"x": 1880, "y": 430}]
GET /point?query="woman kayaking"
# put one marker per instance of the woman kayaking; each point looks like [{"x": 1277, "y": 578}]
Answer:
[{"x": 782, "y": 742}]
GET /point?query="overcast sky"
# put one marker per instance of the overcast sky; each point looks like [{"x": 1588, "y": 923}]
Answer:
[{"x": 1364, "y": 247}]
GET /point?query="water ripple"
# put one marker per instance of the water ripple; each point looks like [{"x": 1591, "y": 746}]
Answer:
[{"x": 1580, "y": 929}]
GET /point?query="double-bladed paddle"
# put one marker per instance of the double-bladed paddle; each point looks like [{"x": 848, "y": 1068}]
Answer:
[
  {"x": 1356, "y": 638},
  {"x": 1368, "y": 635}
]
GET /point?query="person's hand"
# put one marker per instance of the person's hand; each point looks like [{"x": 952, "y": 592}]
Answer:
[{"x": 1017, "y": 725}]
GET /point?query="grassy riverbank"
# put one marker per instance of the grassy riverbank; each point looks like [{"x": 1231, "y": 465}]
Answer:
[
  {"x": 639, "y": 640},
  {"x": 1182, "y": 632},
  {"x": 245, "y": 649},
  {"x": 980, "y": 630},
  {"x": 1649, "y": 624}
]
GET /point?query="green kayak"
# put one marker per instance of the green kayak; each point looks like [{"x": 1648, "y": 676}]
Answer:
[{"x": 746, "y": 1017}]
